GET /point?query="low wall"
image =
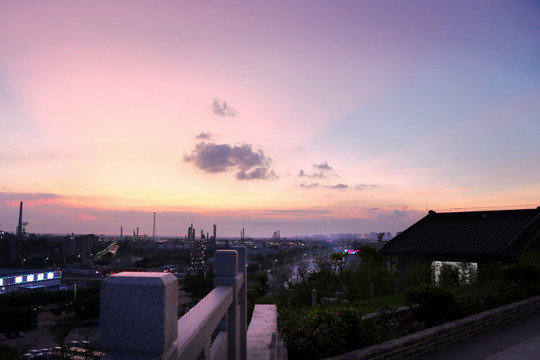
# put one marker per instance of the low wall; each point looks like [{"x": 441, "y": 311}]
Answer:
[{"x": 439, "y": 337}]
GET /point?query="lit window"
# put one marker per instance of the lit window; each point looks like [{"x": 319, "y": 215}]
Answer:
[
  {"x": 1, "y": 282},
  {"x": 40, "y": 277},
  {"x": 18, "y": 280},
  {"x": 50, "y": 275},
  {"x": 30, "y": 278},
  {"x": 454, "y": 272}
]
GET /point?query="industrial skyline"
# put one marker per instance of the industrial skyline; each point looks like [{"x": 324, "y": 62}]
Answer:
[{"x": 307, "y": 116}]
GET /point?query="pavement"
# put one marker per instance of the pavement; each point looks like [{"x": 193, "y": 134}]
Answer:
[
  {"x": 519, "y": 340},
  {"x": 263, "y": 339}
]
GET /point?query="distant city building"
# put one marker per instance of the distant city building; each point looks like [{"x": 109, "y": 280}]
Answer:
[
  {"x": 197, "y": 250},
  {"x": 79, "y": 245},
  {"x": 213, "y": 239}
]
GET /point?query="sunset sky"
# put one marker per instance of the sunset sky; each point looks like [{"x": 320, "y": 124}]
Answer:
[{"x": 307, "y": 117}]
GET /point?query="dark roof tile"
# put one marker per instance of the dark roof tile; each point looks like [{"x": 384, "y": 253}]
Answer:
[{"x": 501, "y": 233}]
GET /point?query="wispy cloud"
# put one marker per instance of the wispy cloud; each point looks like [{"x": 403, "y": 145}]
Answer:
[
  {"x": 322, "y": 166},
  {"x": 223, "y": 109},
  {"x": 363, "y": 186},
  {"x": 402, "y": 212},
  {"x": 292, "y": 212},
  {"x": 322, "y": 171},
  {"x": 10, "y": 196},
  {"x": 309, "y": 186},
  {"x": 215, "y": 158},
  {"x": 337, "y": 186}
]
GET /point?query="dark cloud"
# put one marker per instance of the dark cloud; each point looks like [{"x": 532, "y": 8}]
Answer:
[
  {"x": 223, "y": 109},
  {"x": 204, "y": 136},
  {"x": 337, "y": 187},
  {"x": 216, "y": 158},
  {"x": 309, "y": 186}
]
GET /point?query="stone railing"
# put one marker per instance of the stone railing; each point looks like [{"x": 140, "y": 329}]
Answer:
[{"x": 139, "y": 313}]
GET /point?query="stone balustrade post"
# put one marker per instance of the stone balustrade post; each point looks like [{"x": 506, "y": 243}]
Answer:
[
  {"x": 139, "y": 314},
  {"x": 226, "y": 274},
  {"x": 242, "y": 300}
]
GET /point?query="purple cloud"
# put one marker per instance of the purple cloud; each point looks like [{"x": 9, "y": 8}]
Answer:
[{"x": 216, "y": 158}]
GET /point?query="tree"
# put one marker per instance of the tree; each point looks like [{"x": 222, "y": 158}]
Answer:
[
  {"x": 378, "y": 278},
  {"x": 58, "y": 334},
  {"x": 338, "y": 261},
  {"x": 197, "y": 286},
  {"x": 87, "y": 333},
  {"x": 262, "y": 284}
]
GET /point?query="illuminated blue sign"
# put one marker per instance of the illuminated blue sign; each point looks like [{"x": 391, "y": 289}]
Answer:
[{"x": 29, "y": 278}]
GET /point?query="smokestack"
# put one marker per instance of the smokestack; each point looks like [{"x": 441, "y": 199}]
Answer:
[
  {"x": 154, "y": 229},
  {"x": 20, "y": 226},
  {"x": 121, "y": 232}
]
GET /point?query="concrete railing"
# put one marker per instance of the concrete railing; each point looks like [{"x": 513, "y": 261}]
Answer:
[{"x": 139, "y": 313}]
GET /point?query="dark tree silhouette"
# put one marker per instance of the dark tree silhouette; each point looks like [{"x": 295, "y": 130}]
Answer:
[{"x": 58, "y": 334}]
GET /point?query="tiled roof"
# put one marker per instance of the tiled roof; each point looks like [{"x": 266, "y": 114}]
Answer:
[{"x": 478, "y": 234}]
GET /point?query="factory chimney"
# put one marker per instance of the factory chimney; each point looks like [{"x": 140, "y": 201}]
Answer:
[
  {"x": 154, "y": 228},
  {"x": 20, "y": 226}
]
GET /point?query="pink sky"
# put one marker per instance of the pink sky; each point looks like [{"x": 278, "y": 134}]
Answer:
[{"x": 208, "y": 112}]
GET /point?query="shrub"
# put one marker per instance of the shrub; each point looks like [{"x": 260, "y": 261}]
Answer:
[
  {"x": 321, "y": 332},
  {"x": 521, "y": 273},
  {"x": 431, "y": 304}
]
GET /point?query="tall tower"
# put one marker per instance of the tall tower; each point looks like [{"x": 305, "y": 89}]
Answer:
[
  {"x": 197, "y": 248},
  {"x": 20, "y": 226},
  {"x": 213, "y": 239},
  {"x": 154, "y": 229}
]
